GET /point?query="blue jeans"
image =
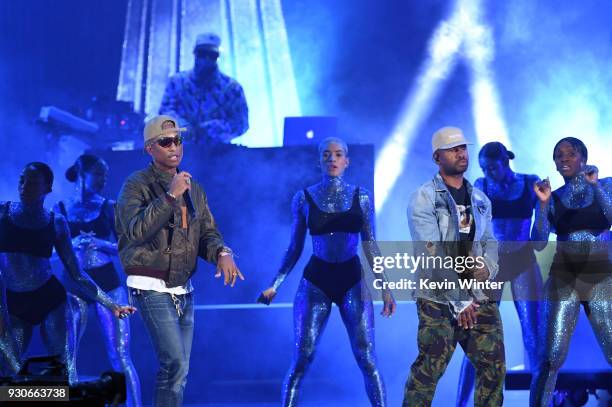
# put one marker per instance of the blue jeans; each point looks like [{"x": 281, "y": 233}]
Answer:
[{"x": 172, "y": 336}]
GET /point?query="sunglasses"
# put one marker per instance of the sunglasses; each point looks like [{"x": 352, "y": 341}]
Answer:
[
  {"x": 167, "y": 141},
  {"x": 210, "y": 55}
]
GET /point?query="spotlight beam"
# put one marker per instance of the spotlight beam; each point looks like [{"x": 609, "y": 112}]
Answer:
[
  {"x": 443, "y": 49},
  {"x": 463, "y": 35}
]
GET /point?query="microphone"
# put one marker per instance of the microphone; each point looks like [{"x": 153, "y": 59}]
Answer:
[
  {"x": 189, "y": 202},
  {"x": 187, "y": 198}
]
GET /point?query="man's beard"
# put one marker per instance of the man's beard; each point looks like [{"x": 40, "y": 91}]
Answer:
[
  {"x": 455, "y": 169},
  {"x": 205, "y": 73}
]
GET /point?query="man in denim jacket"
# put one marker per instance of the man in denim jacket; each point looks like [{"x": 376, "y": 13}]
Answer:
[{"x": 451, "y": 219}]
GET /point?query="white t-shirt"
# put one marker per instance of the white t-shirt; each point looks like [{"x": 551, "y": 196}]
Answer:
[{"x": 157, "y": 284}]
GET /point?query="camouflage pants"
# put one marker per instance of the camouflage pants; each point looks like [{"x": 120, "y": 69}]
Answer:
[{"x": 437, "y": 338}]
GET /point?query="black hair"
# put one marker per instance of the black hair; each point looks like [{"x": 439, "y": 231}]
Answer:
[
  {"x": 495, "y": 151},
  {"x": 83, "y": 164},
  {"x": 577, "y": 144},
  {"x": 42, "y": 169}
]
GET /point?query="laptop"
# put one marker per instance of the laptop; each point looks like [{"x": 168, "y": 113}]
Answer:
[{"x": 308, "y": 130}]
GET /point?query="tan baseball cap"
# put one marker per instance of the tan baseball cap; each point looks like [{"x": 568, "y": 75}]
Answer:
[
  {"x": 154, "y": 127},
  {"x": 447, "y": 137}
]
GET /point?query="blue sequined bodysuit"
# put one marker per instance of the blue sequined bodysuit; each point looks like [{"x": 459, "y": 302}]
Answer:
[
  {"x": 581, "y": 274},
  {"x": 95, "y": 215},
  {"x": 338, "y": 215},
  {"x": 512, "y": 205},
  {"x": 27, "y": 269}
]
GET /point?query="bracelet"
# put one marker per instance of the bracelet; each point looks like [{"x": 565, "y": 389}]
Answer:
[
  {"x": 225, "y": 251},
  {"x": 171, "y": 196}
]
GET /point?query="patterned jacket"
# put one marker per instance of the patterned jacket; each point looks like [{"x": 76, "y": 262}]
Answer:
[{"x": 214, "y": 112}]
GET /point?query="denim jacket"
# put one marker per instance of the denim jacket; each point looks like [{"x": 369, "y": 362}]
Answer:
[{"x": 433, "y": 220}]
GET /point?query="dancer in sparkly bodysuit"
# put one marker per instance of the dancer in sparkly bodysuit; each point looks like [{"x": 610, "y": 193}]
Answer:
[
  {"x": 513, "y": 200},
  {"x": 337, "y": 214},
  {"x": 580, "y": 213},
  {"x": 28, "y": 235},
  {"x": 92, "y": 226}
]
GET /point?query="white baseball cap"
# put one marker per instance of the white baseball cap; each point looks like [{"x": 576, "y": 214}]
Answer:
[
  {"x": 209, "y": 41},
  {"x": 447, "y": 137}
]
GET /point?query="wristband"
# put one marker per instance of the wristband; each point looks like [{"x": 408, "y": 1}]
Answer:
[
  {"x": 171, "y": 196},
  {"x": 226, "y": 251}
]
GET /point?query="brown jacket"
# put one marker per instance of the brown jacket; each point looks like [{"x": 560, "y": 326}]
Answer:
[{"x": 151, "y": 239}]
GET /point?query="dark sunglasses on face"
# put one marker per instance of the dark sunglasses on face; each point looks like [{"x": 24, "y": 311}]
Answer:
[
  {"x": 166, "y": 141},
  {"x": 210, "y": 55}
]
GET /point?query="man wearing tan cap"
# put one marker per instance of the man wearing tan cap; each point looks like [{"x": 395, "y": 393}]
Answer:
[
  {"x": 211, "y": 103},
  {"x": 163, "y": 224},
  {"x": 448, "y": 217}
]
